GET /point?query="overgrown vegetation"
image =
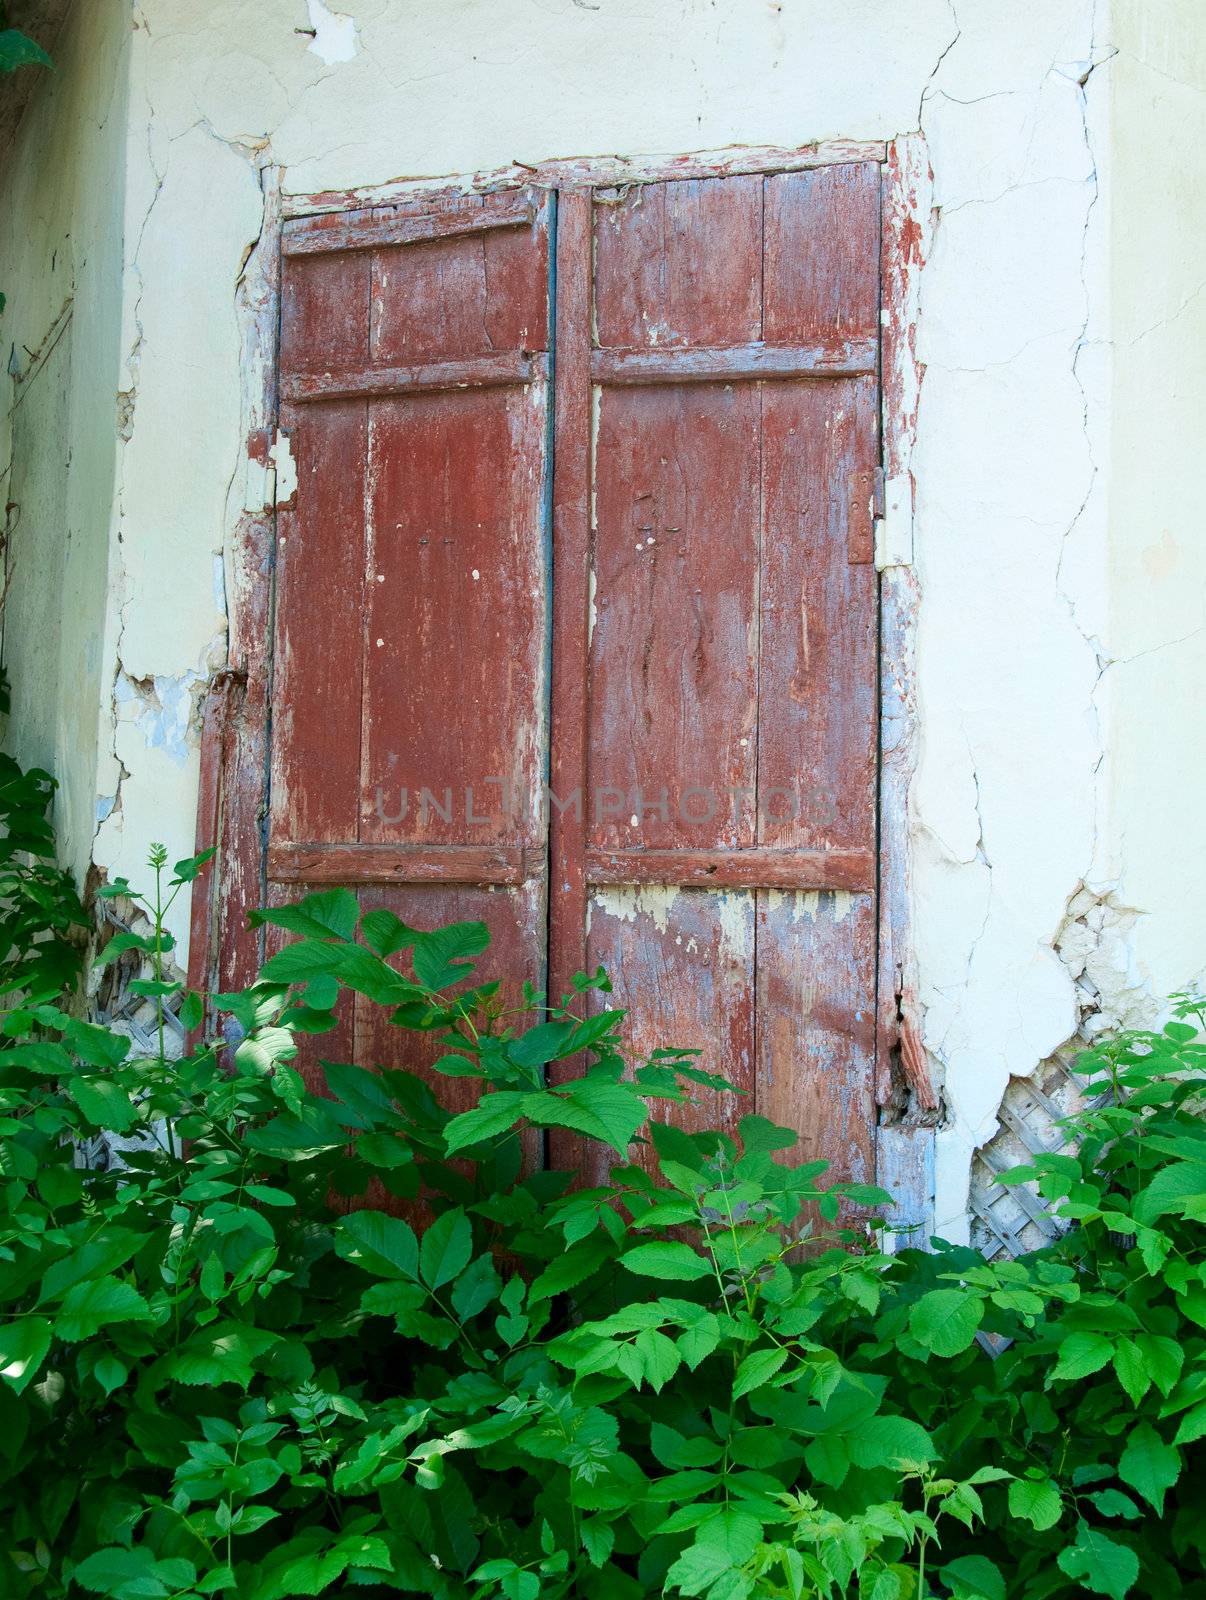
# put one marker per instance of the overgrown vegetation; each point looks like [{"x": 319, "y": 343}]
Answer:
[{"x": 232, "y": 1368}]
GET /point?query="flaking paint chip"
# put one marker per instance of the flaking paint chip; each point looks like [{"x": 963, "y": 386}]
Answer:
[
  {"x": 380, "y": 642},
  {"x": 476, "y": 575}
]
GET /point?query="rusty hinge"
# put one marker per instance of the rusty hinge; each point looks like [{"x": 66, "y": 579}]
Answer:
[{"x": 866, "y": 508}]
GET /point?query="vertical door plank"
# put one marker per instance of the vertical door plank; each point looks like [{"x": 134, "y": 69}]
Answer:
[
  {"x": 682, "y": 962},
  {"x": 318, "y": 650},
  {"x": 454, "y": 618},
  {"x": 822, "y": 255},
  {"x": 816, "y": 1025},
  {"x": 572, "y": 581},
  {"x": 817, "y": 733},
  {"x": 679, "y": 264},
  {"x": 674, "y": 647},
  {"x": 465, "y": 296}
]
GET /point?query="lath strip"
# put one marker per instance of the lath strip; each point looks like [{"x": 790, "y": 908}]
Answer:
[
  {"x": 482, "y": 372},
  {"x": 847, "y": 358},
  {"x": 402, "y": 864},
  {"x": 852, "y": 870},
  {"x": 330, "y": 232}
]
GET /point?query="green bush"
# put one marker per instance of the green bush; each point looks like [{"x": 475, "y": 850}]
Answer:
[{"x": 232, "y": 1368}]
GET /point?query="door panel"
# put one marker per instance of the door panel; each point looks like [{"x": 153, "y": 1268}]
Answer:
[
  {"x": 674, "y": 647},
  {"x": 714, "y": 636},
  {"x": 731, "y": 672},
  {"x": 409, "y": 736}
]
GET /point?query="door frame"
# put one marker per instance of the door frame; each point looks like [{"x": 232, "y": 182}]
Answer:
[{"x": 233, "y": 789}]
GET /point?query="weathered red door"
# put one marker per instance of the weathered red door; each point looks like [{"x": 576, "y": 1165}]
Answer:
[
  {"x": 715, "y": 637},
  {"x": 619, "y": 534},
  {"x": 409, "y": 704}
]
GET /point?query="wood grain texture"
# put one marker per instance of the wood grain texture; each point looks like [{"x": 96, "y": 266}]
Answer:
[
  {"x": 681, "y": 961},
  {"x": 816, "y": 1025},
  {"x": 822, "y": 255},
  {"x": 837, "y": 358},
  {"x": 575, "y": 174},
  {"x": 680, "y": 264},
  {"x": 736, "y": 869},
  {"x": 333, "y": 232},
  {"x": 477, "y": 372},
  {"x": 454, "y": 616},
  {"x": 817, "y": 734},
  {"x": 729, "y": 327},
  {"x": 375, "y": 863},
  {"x": 572, "y": 581},
  {"x": 319, "y": 643},
  {"x": 673, "y": 663}
]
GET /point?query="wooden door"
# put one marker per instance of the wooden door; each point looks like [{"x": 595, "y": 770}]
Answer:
[
  {"x": 616, "y": 534},
  {"x": 409, "y": 693},
  {"x": 715, "y": 637}
]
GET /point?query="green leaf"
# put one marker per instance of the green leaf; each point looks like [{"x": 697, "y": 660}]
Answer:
[
  {"x": 1036, "y": 1501},
  {"x": 442, "y": 958},
  {"x": 573, "y": 1267},
  {"x": 546, "y": 1042},
  {"x": 889, "y": 1442},
  {"x": 103, "y": 1103},
  {"x": 1105, "y": 1566},
  {"x": 40, "y": 1055},
  {"x": 1131, "y": 1370},
  {"x": 598, "y": 1540},
  {"x": 384, "y": 1150},
  {"x": 1113, "y": 1503},
  {"x": 446, "y": 1248},
  {"x": 974, "y": 1578},
  {"x": 666, "y": 1259},
  {"x": 90, "y": 1306},
  {"x": 603, "y": 1110},
  {"x": 945, "y": 1320},
  {"x": 737, "y": 1533},
  {"x": 17, "y": 49},
  {"x": 298, "y": 963},
  {"x": 224, "y": 1352},
  {"x": 385, "y": 933},
  {"x": 380, "y": 1244},
  {"x": 268, "y": 1196},
  {"x": 23, "y": 1345},
  {"x": 758, "y": 1368},
  {"x": 1148, "y": 1465},
  {"x": 1193, "y": 1425},
  {"x": 131, "y": 1574},
  {"x": 494, "y": 1113},
  {"x": 332, "y": 913},
  {"x": 1081, "y": 1354},
  {"x": 94, "y": 1044},
  {"x": 1172, "y": 1189},
  {"x": 476, "y": 1287}
]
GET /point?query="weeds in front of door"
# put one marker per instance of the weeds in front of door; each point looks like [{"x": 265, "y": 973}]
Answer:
[{"x": 328, "y": 1337}]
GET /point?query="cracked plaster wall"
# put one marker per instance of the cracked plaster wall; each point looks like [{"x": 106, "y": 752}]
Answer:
[
  {"x": 1061, "y": 335},
  {"x": 61, "y": 271}
]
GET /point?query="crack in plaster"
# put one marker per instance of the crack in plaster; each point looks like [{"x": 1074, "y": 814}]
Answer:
[{"x": 168, "y": 706}]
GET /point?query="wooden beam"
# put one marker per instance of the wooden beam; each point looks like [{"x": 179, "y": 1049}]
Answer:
[
  {"x": 352, "y": 864},
  {"x": 843, "y": 359},
  {"x": 332, "y": 231},
  {"x": 481, "y": 372},
  {"x": 852, "y": 870}
]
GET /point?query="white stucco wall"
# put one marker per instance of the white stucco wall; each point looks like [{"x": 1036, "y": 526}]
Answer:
[
  {"x": 1062, "y": 334},
  {"x": 61, "y": 271}
]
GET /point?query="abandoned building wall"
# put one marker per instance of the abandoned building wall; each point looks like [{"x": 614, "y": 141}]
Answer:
[
  {"x": 61, "y": 270},
  {"x": 1060, "y": 334}
]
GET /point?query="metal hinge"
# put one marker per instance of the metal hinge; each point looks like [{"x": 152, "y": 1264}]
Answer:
[
  {"x": 894, "y": 522},
  {"x": 865, "y": 507}
]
